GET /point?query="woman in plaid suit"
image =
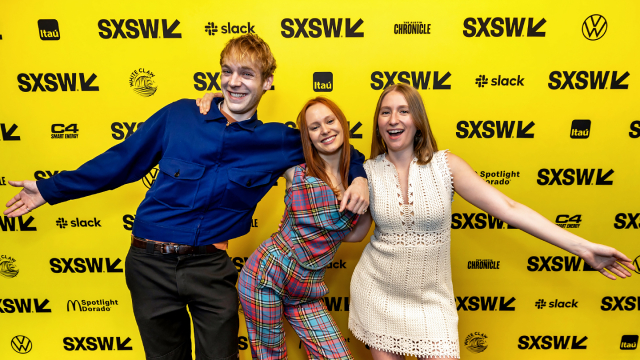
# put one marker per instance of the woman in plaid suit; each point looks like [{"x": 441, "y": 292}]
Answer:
[{"x": 285, "y": 275}]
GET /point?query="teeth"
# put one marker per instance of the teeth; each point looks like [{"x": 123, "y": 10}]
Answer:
[
  {"x": 395, "y": 131},
  {"x": 329, "y": 139},
  {"x": 238, "y": 95}
]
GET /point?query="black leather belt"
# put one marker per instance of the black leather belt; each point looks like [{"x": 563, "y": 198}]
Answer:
[{"x": 171, "y": 248}]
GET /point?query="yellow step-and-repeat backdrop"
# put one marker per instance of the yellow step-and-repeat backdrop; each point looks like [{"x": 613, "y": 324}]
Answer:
[{"x": 541, "y": 98}]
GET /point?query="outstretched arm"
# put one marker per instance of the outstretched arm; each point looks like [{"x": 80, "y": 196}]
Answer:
[
  {"x": 476, "y": 191},
  {"x": 27, "y": 199}
]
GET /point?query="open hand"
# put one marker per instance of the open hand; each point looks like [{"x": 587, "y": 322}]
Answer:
[
  {"x": 603, "y": 258},
  {"x": 205, "y": 102},
  {"x": 27, "y": 199}
]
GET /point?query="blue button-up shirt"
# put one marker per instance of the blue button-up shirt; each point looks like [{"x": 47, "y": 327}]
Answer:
[{"x": 211, "y": 175}]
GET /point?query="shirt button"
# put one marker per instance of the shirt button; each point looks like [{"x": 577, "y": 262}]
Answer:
[
  {"x": 177, "y": 173},
  {"x": 248, "y": 182}
]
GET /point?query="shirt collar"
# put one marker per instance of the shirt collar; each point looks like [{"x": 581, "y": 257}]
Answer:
[{"x": 215, "y": 114}]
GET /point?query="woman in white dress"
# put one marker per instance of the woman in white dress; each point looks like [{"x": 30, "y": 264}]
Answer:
[{"x": 402, "y": 299}]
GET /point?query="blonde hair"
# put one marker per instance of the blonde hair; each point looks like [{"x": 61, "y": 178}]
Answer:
[
  {"x": 251, "y": 48},
  {"x": 424, "y": 145}
]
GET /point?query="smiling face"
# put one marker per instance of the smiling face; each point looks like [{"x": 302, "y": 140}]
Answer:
[
  {"x": 325, "y": 130},
  {"x": 395, "y": 122},
  {"x": 243, "y": 87}
]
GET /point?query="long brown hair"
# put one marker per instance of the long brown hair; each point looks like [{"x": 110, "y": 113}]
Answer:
[
  {"x": 316, "y": 167},
  {"x": 424, "y": 144}
]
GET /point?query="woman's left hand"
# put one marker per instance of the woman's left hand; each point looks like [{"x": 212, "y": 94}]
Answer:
[
  {"x": 205, "y": 102},
  {"x": 356, "y": 197},
  {"x": 603, "y": 258}
]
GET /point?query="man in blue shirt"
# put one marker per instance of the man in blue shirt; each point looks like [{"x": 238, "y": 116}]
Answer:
[{"x": 214, "y": 169}]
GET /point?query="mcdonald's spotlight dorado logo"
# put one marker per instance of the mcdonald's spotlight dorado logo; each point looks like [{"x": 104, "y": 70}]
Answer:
[
  {"x": 7, "y": 267},
  {"x": 594, "y": 27},
  {"x": 142, "y": 83},
  {"x": 21, "y": 344}
]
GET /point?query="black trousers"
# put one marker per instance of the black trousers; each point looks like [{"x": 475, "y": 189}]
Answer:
[{"x": 163, "y": 285}]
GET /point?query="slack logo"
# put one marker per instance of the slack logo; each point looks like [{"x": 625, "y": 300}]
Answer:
[
  {"x": 580, "y": 129},
  {"x": 482, "y": 80},
  {"x": 322, "y": 81},
  {"x": 49, "y": 29},
  {"x": 556, "y": 304}
]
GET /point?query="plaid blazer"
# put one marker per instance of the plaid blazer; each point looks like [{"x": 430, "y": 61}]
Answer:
[{"x": 312, "y": 227}]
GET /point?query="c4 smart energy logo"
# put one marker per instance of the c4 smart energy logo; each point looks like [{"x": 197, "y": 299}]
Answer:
[
  {"x": 315, "y": 28},
  {"x": 476, "y": 342},
  {"x": 136, "y": 28},
  {"x": 498, "y": 26},
  {"x": 8, "y": 268},
  {"x": 594, "y": 27},
  {"x": 49, "y": 29},
  {"x": 322, "y": 81},
  {"x": 418, "y": 79},
  {"x": 62, "y": 131},
  {"x": 601, "y": 80},
  {"x": 569, "y": 221},
  {"x": 21, "y": 344},
  {"x": 141, "y": 81}
]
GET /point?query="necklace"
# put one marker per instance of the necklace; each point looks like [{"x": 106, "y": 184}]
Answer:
[{"x": 220, "y": 108}]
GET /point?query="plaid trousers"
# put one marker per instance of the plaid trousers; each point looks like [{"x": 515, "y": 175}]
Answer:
[{"x": 273, "y": 284}]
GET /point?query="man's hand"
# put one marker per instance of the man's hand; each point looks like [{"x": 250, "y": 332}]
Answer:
[
  {"x": 356, "y": 197},
  {"x": 27, "y": 199},
  {"x": 205, "y": 102}
]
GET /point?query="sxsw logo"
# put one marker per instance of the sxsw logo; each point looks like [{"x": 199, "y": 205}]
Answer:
[
  {"x": 316, "y": 28},
  {"x": 587, "y": 80},
  {"x": 239, "y": 262},
  {"x": 490, "y": 129},
  {"x": 574, "y": 176},
  {"x": 7, "y": 135},
  {"x": 482, "y": 80},
  {"x": 21, "y": 306},
  {"x": 502, "y": 26},
  {"x": 417, "y": 79},
  {"x": 128, "y": 220},
  {"x": 122, "y": 130},
  {"x": 594, "y": 27},
  {"x": 621, "y": 303},
  {"x": 557, "y": 263},
  {"x": 485, "y": 303},
  {"x": 55, "y": 82},
  {"x": 580, "y": 129},
  {"x": 548, "y": 342},
  {"x": 634, "y": 133},
  {"x": 336, "y": 303},
  {"x": 322, "y": 81},
  {"x": 49, "y": 29},
  {"x": 45, "y": 174},
  {"x": 9, "y": 224},
  {"x": 477, "y": 221},
  {"x": 82, "y": 265},
  {"x": 148, "y": 28},
  {"x": 626, "y": 221},
  {"x": 629, "y": 342},
  {"x": 95, "y": 343},
  {"x": 206, "y": 81}
]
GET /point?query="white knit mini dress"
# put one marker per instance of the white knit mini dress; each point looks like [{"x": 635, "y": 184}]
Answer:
[{"x": 401, "y": 292}]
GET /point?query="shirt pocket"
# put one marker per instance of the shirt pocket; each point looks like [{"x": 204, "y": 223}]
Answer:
[
  {"x": 177, "y": 183},
  {"x": 244, "y": 189}
]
